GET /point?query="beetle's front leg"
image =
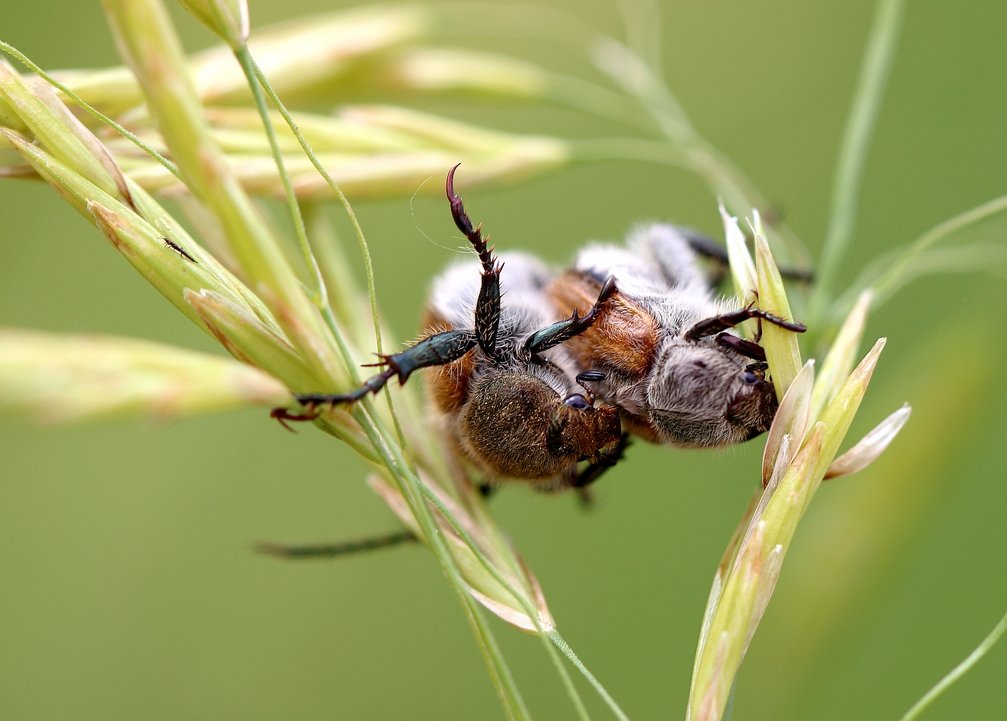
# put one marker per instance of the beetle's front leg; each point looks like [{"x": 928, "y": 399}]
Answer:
[
  {"x": 435, "y": 350},
  {"x": 718, "y": 323},
  {"x": 487, "y": 314}
]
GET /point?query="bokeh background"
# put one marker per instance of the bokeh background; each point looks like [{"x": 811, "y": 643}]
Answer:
[{"x": 129, "y": 590}]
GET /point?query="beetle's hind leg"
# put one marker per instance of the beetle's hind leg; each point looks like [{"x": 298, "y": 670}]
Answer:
[
  {"x": 710, "y": 249},
  {"x": 333, "y": 550},
  {"x": 600, "y": 464},
  {"x": 580, "y": 481}
]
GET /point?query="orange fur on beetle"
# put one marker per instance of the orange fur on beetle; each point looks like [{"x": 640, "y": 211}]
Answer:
[
  {"x": 623, "y": 337},
  {"x": 449, "y": 384}
]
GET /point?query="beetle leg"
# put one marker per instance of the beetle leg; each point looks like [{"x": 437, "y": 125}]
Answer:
[
  {"x": 741, "y": 346},
  {"x": 553, "y": 335},
  {"x": 718, "y": 323},
  {"x": 487, "y": 315},
  {"x": 708, "y": 248},
  {"x": 600, "y": 464},
  {"x": 331, "y": 550},
  {"x": 435, "y": 350}
]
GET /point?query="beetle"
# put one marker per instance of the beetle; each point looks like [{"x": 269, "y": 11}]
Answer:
[
  {"x": 665, "y": 344},
  {"x": 505, "y": 389}
]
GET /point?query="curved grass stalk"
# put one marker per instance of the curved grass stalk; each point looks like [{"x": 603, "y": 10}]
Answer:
[
  {"x": 641, "y": 83},
  {"x": 411, "y": 488},
  {"x": 860, "y": 125},
  {"x": 957, "y": 672},
  {"x": 258, "y": 82},
  {"x": 320, "y": 291},
  {"x": 365, "y": 251},
  {"x": 560, "y": 643},
  {"x": 891, "y": 271},
  {"x": 553, "y": 635},
  {"x": 888, "y": 281},
  {"x": 641, "y": 19}
]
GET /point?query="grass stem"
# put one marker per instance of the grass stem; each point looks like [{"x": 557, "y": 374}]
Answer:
[
  {"x": 957, "y": 672},
  {"x": 860, "y": 124}
]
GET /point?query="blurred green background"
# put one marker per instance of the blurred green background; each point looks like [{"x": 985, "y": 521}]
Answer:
[{"x": 128, "y": 587}]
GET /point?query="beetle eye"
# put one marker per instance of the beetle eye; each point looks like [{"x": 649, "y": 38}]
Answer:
[
  {"x": 749, "y": 378},
  {"x": 576, "y": 400}
]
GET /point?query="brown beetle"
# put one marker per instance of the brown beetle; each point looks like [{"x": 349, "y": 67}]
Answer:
[
  {"x": 665, "y": 343},
  {"x": 506, "y": 390}
]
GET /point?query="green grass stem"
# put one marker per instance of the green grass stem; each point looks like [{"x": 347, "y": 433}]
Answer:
[
  {"x": 860, "y": 123},
  {"x": 957, "y": 672}
]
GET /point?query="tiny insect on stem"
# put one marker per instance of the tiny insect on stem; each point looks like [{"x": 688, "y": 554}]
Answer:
[{"x": 180, "y": 250}]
